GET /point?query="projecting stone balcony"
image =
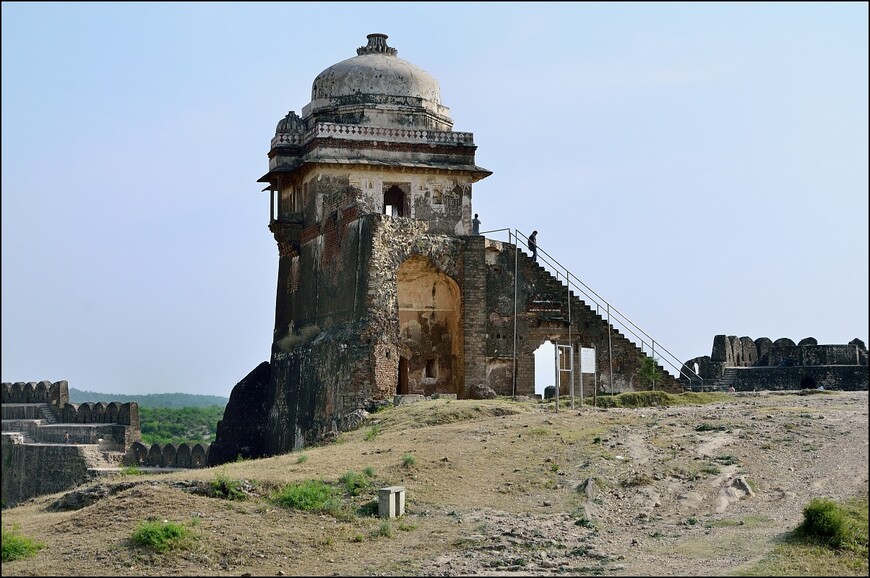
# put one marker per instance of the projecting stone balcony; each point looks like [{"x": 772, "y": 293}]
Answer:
[{"x": 370, "y": 133}]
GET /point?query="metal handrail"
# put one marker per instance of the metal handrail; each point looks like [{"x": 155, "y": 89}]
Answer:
[{"x": 653, "y": 345}]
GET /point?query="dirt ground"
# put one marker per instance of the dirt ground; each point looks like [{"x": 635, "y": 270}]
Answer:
[{"x": 496, "y": 488}]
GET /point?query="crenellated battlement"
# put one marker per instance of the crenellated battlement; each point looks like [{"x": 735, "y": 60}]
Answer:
[{"x": 56, "y": 393}]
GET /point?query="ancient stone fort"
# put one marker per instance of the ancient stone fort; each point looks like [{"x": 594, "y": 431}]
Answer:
[
  {"x": 383, "y": 290},
  {"x": 384, "y": 293},
  {"x": 50, "y": 445}
]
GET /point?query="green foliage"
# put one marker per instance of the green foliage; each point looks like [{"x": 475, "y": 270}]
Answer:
[
  {"x": 132, "y": 471},
  {"x": 369, "y": 471},
  {"x": 227, "y": 489},
  {"x": 385, "y": 530},
  {"x": 162, "y": 425},
  {"x": 302, "y": 459},
  {"x": 833, "y": 524},
  {"x": 659, "y": 398},
  {"x": 353, "y": 482},
  {"x": 311, "y": 496},
  {"x": 649, "y": 372},
  {"x": 16, "y": 546},
  {"x": 171, "y": 400},
  {"x": 373, "y": 432},
  {"x": 408, "y": 460},
  {"x": 161, "y": 536}
]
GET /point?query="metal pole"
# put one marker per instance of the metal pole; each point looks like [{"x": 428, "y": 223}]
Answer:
[
  {"x": 570, "y": 342},
  {"x": 581, "y": 379},
  {"x": 610, "y": 348},
  {"x": 556, "y": 359},
  {"x": 571, "y": 372},
  {"x": 654, "y": 364},
  {"x": 516, "y": 279}
]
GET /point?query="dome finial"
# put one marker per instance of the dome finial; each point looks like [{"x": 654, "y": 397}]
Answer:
[{"x": 377, "y": 45}]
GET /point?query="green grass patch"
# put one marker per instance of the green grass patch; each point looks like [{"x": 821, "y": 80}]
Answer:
[
  {"x": 227, "y": 489},
  {"x": 17, "y": 546},
  {"x": 635, "y": 399},
  {"x": 373, "y": 432},
  {"x": 354, "y": 482},
  {"x": 443, "y": 411},
  {"x": 302, "y": 459},
  {"x": 161, "y": 536},
  {"x": 409, "y": 460},
  {"x": 310, "y": 496},
  {"x": 133, "y": 471}
]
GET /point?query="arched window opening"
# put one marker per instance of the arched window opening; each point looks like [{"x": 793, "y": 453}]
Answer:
[{"x": 394, "y": 202}]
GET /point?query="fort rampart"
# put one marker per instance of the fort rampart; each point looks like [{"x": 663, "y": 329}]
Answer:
[{"x": 50, "y": 445}]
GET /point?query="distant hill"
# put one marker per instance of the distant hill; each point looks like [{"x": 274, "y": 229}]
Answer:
[{"x": 172, "y": 400}]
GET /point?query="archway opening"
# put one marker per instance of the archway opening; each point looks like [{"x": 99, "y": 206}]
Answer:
[
  {"x": 430, "y": 328},
  {"x": 545, "y": 367},
  {"x": 808, "y": 382},
  {"x": 394, "y": 202}
]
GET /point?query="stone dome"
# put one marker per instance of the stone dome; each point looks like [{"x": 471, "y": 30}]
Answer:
[
  {"x": 376, "y": 70},
  {"x": 377, "y": 88}
]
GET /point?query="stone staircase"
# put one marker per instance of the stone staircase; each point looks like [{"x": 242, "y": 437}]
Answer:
[{"x": 550, "y": 302}]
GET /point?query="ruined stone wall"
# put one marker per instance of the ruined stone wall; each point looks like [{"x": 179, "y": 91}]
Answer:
[
  {"x": 815, "y": 355},
  {"x": 31, "y": 470},
  {"x": 730, "y": 351},
  {"x": 832, "y": 377}
]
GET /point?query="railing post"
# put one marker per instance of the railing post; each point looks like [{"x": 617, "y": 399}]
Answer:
[
  {"x": 610, "y": 347},
  {"x": 516, "y": 281}
]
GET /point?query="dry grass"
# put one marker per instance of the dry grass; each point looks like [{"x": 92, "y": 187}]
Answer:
[{"x": 479, "y": 468}]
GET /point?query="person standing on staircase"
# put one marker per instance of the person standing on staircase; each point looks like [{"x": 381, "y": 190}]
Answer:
[{"x": 533, "y": 245}]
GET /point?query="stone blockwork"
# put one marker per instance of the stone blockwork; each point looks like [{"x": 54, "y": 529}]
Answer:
[{"x": 748, "y": 364}]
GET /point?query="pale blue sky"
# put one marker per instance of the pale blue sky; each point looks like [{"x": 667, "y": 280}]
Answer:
[{"x": 703, "y": 167}]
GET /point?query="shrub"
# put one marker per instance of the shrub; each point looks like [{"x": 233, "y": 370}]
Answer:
[
  {"x": 408, "y": 460},
  {"x": 353, "y": 482},
  {"x": 369, "y": 471},
  {"x": 17, "y": 546},
  {"x": 828, "y": 522},
  {"x": 161, "y": 536},
  {"x": 312, "y": 495},
  {"x": 302, "y": 459}
]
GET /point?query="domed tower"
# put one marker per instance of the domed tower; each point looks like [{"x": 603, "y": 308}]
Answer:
[{"x": 370, "y": 206}]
